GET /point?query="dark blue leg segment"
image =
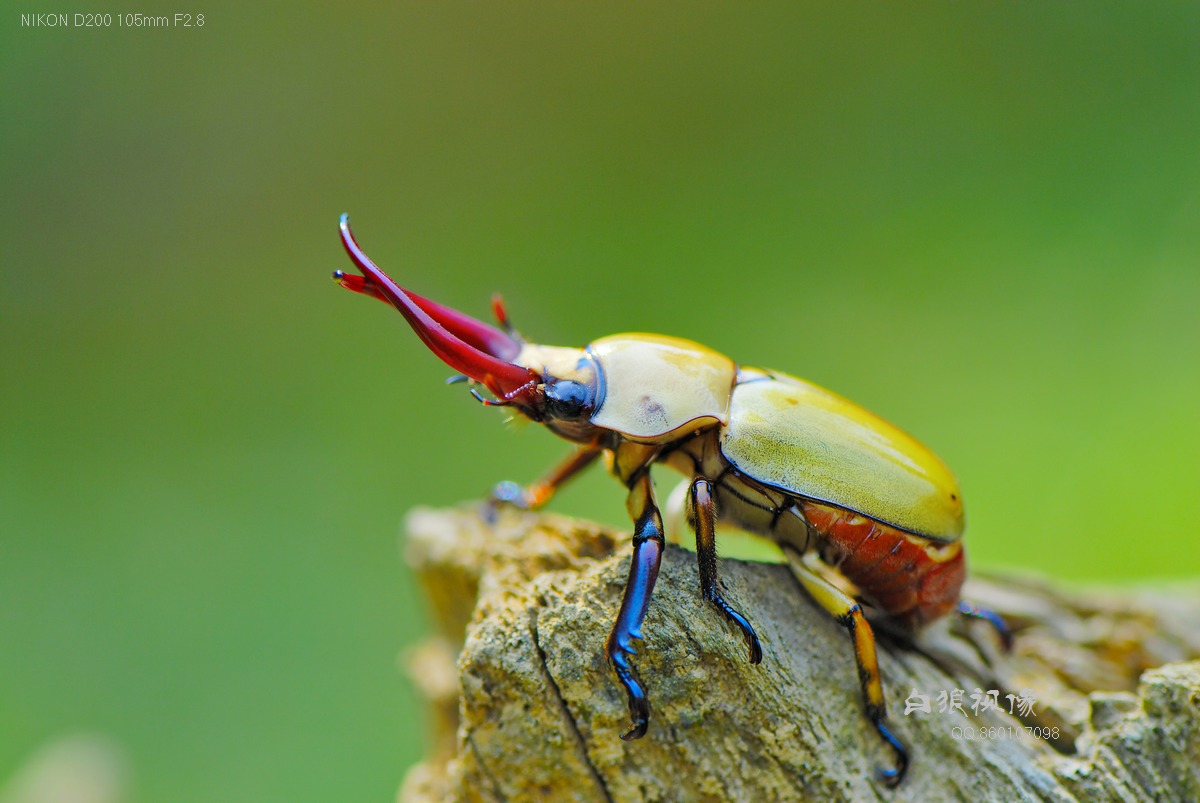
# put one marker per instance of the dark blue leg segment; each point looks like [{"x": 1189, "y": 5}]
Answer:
[
  {"x": 643, "y": 572},
  {"x": 892, "y": 777},
  {"x": 992, "y": 618}
]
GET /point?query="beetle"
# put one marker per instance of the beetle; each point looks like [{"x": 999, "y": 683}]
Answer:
[{"x": 839, "y": 489}]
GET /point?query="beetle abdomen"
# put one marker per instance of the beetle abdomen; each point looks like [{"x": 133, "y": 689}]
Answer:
[{"x": 911, "y": 578}]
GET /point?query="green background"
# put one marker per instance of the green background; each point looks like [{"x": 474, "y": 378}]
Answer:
[{"x": 980, "y": 220}]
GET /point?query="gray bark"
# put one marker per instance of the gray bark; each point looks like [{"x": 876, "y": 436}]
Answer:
[{"x": 524, "y": 704}]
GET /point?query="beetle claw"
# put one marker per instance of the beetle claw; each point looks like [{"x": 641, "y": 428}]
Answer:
[
  {"x": 504, "y": 494},
  {"x": 640, "y": 726},
  {"x": 509, "y": 493},
  {"x": 639, "y": 707},
  {"x": 731, "y": 613},
  {"x": 892, "y": 778}
]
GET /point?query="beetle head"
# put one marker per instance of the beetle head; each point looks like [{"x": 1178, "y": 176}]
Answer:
[
  {"x": 557, "y": 386},
  {"x": 571, "y": 389}
]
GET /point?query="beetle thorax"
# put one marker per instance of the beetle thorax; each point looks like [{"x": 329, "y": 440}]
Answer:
[{"x": 657, "y": 389}]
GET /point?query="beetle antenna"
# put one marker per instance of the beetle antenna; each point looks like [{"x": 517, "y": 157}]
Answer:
[
  {"x": 458, "y": 379},
  {"x": 488, "y": 402},
  {"x": 501, "y": 314},
  {"x": 507, "y": 398}
]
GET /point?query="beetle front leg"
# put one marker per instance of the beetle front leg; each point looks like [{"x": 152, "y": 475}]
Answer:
[
  {"x": 539, "y": 493},
  {"x": 701, "y": 513},
  {"x": 849, "y": 614},
  {"x": 643, "y": 572}
]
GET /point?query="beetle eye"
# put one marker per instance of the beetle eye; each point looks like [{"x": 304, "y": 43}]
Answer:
[{"x": 568, "y": 400}]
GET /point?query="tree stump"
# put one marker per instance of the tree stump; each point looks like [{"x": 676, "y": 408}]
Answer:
[{"x": 525, "y": 705}]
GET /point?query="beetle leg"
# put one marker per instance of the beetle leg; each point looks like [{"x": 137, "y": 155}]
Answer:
[
  {"x": 992, "y": 618},
  {"x": 849, "y": 614},
  {"x": 501, "y": 313},
  {"x": 701, "y": 513},
  {"x": 538, "y": 494},
  {"x": 643, "y": 571}
]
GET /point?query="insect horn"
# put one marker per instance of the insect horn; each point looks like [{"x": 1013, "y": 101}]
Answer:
[{"x": 472, "y": 347}]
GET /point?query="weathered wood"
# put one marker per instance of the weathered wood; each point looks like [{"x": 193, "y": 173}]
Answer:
[{"x": 530, "y": 709}]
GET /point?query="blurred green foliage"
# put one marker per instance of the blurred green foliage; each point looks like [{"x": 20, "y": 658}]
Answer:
[{"x": 979, "y": 220}]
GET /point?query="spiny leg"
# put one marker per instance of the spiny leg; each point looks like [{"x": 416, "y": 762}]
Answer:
[
  {"x": 849, "y": 614},
  {"x": 701, "y": 512},
  {"x": 539, "y": 493},
  {"x": 643, "y": 572},
  {"x": 992, "y": 618}
]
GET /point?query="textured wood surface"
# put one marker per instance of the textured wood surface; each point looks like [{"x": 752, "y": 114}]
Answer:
[{"x": 525, "y": 707}]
